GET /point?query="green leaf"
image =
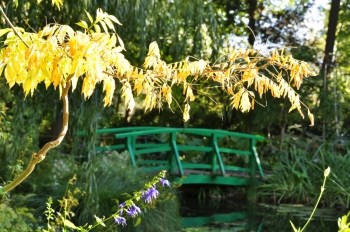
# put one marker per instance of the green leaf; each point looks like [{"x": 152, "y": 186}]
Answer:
[
  {"x": 83, "y": 24},
  {"x": 89, "y": 16},
  {"x": 70, "y": 224},
  {"x": 138, "y": 221}
]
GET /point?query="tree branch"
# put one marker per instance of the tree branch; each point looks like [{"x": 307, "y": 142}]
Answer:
[
  {"x": 40, "y": 156},
  {"x": 13, "y": 28}
]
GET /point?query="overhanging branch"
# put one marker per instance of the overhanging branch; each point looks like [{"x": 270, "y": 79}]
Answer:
[{"x": 40, "y": 155}]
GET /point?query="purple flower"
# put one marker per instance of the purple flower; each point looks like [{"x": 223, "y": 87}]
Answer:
[
  {"x": 149, "y": 194},
  {"x": 120, "y": 220},
  {"x": 164, "y": 182},
  {"x": 133, "y": 211},
  {"x": 121, "y": 208}
]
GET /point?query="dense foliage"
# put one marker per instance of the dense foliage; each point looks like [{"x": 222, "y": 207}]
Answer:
[{"x": 204, "y": 29}]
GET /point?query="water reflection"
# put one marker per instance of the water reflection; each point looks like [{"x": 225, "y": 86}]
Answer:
[{"x": 226, "y": 215}]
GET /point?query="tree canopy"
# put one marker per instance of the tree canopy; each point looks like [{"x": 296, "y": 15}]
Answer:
[{"x": 95, "y": 56}]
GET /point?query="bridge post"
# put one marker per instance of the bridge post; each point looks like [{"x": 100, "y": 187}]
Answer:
[
  {"x": 174, "y": 159},
  {"x": 252, "y": 164},
  {"x": 130, "y": 145},
  {"x": 215, "y": 155}
]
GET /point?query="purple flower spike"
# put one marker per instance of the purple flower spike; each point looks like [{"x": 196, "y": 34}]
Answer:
[
  {"x": 164, "y": 182},
  {"x": 121, "y": 208},
  {"x": 133, "y": 211},
  {"x": 122, "y": 205},
  {"x": 120, "y": 220},
  {"x": 149, "y": 194}
]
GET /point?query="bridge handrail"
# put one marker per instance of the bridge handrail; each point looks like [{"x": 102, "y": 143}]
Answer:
[
  {"x": 119, "y": 130},
  {"x": 135, "y": 148},
  {"x": 195, "y": 131},
  {"x": 174, "y": 147}
]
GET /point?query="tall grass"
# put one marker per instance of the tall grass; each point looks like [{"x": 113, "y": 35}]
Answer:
[{"x": 298, "y": 174}]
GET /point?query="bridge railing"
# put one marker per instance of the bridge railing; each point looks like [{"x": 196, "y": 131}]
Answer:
[{"x": 142, "y": 144}]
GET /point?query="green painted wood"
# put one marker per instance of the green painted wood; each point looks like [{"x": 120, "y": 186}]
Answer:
[
  {"x": 151, "y": 150},
  {"x": 193, "y": 148},
  {"x": 257, "y": 160},
  {"x": 131, "y": 150},
  {"x": 152, "y": 162},
  {"x": 237, "y": 169},
  {"x": 197, "y": 166},
  {"x": 136, "y": 148},
  {"x": 200, "y": 179},
  {"x": 234, "y": 151},
  {"x": 175, "y": 155},
  {"x": 150, "y": 145},
  {"x": 216, "y": 151},
  {"x": 119, "y": 130}
]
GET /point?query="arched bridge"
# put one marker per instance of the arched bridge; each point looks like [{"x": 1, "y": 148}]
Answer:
[{"x": 205, "y": 156}]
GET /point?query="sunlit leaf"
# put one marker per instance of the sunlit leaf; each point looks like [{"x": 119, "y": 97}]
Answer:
[
  {"x": 57, "y": 3},
  {"x": 89, "y": 16},
  {"x": 70, "y": 224},
  {"x": 83, "y": 24},
  {"x": 114, "y": 19}
]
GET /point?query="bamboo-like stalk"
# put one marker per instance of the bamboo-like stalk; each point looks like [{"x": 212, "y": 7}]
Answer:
[{"x": 40, "y": 155}]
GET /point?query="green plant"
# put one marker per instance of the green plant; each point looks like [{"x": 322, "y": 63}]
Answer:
[
  {"x": 14, "y": 215},
  {"x": 326, "y": 174},
  {"x": 146, "y": 198},
  {"x": 290, "y": 180}
]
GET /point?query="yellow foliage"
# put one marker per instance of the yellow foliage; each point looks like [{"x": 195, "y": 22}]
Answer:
[{"x": 57, "y": 54}]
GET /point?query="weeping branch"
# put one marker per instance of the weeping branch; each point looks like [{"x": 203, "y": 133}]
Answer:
[{"x": 40, "y": 155}]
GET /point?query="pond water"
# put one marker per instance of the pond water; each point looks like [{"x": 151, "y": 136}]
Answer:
[{"x": 228, "y": 215}]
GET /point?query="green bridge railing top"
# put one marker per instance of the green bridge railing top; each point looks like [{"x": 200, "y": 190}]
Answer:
[{"x": 163, "y": 148}]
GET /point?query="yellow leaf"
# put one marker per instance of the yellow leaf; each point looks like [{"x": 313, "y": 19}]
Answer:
[
  {"x": 186, "y": 114},
  {"x": 56, "y": 73},
  {"x": 127, "y": 95},
  {"x": 4, "y": 31},
  {"x": 97, "y": 28},
  {"x": 109, "y": 87},
  {"x": 89, "y": 16},
  {"x": 72, "y": 46},
  {"x": 104, "y": 26},
  {"x": 189, "y": 94},
  {"x": 82, "y": 24},
  {"x": 245, "y": 103},
  {"x": 311, "y": 117},
  {"x": 237, "y": 98},
  {"x": 58, "y": 3},
  {"x": 88, "y": 87},
  {"x": 153, "y": 50},
  {"x": 109, "y": 24},
  {"x": 114, "y": 19}
]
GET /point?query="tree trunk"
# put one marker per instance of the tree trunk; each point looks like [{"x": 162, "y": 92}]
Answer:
[
  {"x": 331, "y": 33},
  {"x": 328, "y": 57},
  {"x": 251, "y": 24}
]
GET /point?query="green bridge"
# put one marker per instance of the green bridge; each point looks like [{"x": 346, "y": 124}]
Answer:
[{"x": 203, "y": 156}]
